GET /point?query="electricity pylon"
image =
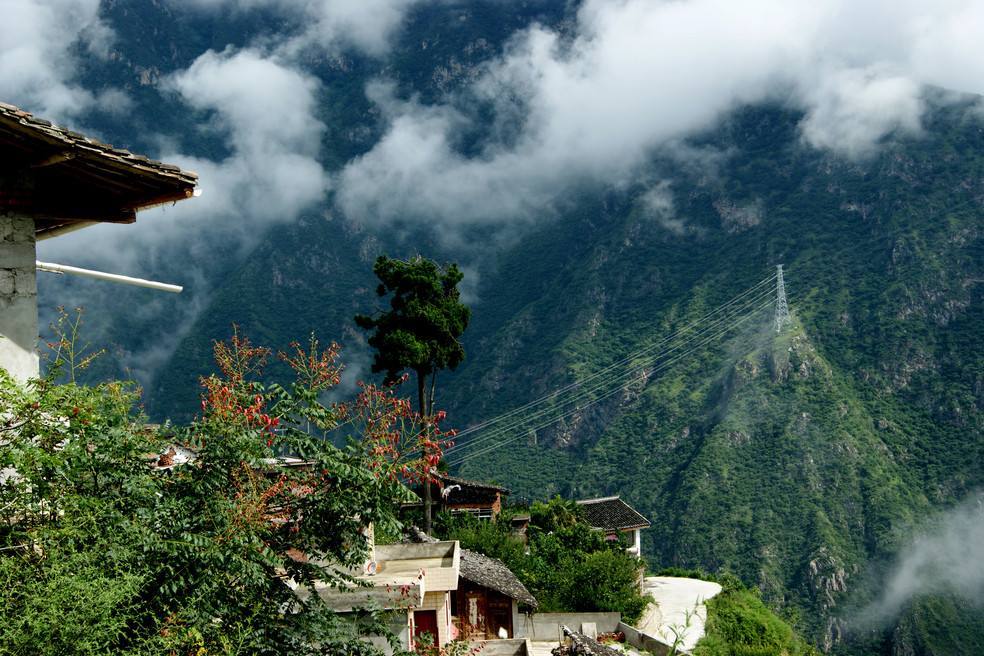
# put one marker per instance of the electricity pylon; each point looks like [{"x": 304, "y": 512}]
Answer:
[{"x": 782, "y": 310}]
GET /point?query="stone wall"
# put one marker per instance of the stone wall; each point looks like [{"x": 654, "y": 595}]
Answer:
[{"x": 18, "y": 298}]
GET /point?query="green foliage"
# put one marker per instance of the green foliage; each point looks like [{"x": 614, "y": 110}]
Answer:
[
  {"x": 421, "y": 329},
  {"x": 576, "y": 569},
  {"x": 568, "y": 567},
  {"x": 761, "y": 475},
  {"x": 493, "y": 539},
  {"x": 555, "y": 514},
  {"x": 739, "y": 624},
  {"x": 938, "y": 625},
  {"x": 102, "y": 552}
]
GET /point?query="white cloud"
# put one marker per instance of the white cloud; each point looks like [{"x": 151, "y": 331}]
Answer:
[
  {"x": 38, "y": 63},
  {"x": 851, "y": 110},
  {"x": 948, "y": 558},
  {"x": 266, "y": 111},
  {"x": 639, "y": 75},
  {"x": 367, "y": 25}
]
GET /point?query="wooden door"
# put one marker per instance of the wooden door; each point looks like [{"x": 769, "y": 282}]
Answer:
[{"x": 425, "y": 621}]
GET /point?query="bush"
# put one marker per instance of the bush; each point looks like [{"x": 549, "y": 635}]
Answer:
[{"x": 568, "y": 567}]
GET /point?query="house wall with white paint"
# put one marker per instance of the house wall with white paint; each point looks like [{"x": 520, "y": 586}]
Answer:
[{"x": 18, "y": 297}]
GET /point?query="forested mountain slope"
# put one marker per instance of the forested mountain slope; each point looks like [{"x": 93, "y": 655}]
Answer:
[{"x": 792, "y": 460}]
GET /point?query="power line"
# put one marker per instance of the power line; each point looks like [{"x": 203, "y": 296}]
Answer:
[
  {"x": 632, "y": 356},
  {"x": 457, "y": 461},
  {"x": 725, "y": 307},
  {"x": 492, "y": 447},
  {"x": 610, "y": 379}
]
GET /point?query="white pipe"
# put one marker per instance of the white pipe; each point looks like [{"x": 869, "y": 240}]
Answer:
[{"x": 112, "y": 277}]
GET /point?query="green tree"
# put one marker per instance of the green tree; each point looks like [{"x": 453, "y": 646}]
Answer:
[
  {"x": 420, "y": 331},
  {"x": 568, "y": 566},
  {"x": 109, "y": 544}
]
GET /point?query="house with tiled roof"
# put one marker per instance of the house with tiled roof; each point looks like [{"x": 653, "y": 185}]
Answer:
[
  {"x": 414, "y": 582},
  {"x": 54, "y": 181},
  {"x": 615, "y": 517},
  {"x": 460, "y": 495},
  {"x": 489, "y": 600}
]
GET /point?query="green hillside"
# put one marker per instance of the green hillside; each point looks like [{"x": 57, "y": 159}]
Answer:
[{"x": 791, "y": 460}]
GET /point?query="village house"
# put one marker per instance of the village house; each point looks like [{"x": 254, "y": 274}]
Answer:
[
  {"x": 615, "y": 517},
  {"x": 412, "y": 580},
  {"x": 460, "y": 496},
  {"x": 490, "y": 599},
  {"x": 54, "y": 181},
  {"x": 436, "y": 588}
]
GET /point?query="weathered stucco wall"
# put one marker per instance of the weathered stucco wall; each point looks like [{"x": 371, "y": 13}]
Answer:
[{"x": 18, "y": 298}]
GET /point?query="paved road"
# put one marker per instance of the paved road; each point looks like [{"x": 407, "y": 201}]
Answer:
[{"x": 678, "y": 611}]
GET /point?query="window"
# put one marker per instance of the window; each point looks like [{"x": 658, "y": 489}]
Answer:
[{"x": 478, "y": 513}]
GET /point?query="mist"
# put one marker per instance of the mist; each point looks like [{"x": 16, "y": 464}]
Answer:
[
  {"x": 270, "y": 176},
  {"x": 947, "y": 557}
]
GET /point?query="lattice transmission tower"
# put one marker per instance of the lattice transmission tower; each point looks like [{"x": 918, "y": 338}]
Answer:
[{"x": 782, "y": 309}]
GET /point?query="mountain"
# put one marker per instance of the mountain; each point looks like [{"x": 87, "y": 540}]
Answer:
[
  {"x": 794, "y": 460},
  {"x": 803, "y": 461}
]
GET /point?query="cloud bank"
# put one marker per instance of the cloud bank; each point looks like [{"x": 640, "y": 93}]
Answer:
[
  {"x": 265, "y": 112},
  {"x": 638, "y": 75},
  {"x": 38, "y": 56},
  {"x": 366, "y": 25},
  {"x": 947, "y": 559}
]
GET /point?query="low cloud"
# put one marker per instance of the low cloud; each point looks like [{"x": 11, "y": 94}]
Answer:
[
  {"x": 637, "y": 76},
  {"x": 948, "y": 558},
  {"x": 333, "y": 25},
  {"x": 264, "y": 111},
  {"x": 40, "y": 44},
  {"x": 270, "y": 175}
]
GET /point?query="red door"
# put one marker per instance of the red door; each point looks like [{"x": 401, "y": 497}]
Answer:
[{"x": 425, "y": 621}]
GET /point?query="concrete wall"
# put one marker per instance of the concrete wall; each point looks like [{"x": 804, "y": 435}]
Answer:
[
  {"x": 646, "y": 642},
  {"x": 546, "y": 626},
  {"x": 18, "y": 298},
  {"x": 512, "y": 647}
]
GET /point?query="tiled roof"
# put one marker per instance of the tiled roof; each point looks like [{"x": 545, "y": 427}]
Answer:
[
  {"x": 65, "y": 180},
  {"x": 451, "y": 491},
  {"x": 611, "y": 514},
  {"x": 492, "y": 573},
  {"x": 12, "y": 117},
  {"x": 464, "y": 482},
  {"x": 486, "y": 571}
]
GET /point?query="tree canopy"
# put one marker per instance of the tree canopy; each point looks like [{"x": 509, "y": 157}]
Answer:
[
  {"x": 420, "y": 331},
  {"x": 565, "y": 564}
]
